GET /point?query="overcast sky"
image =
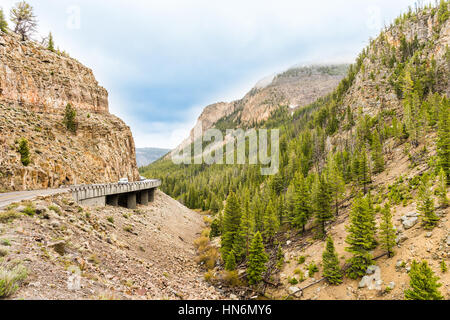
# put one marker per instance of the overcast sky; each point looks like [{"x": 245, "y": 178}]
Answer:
[{"x": 162, "y": 61}]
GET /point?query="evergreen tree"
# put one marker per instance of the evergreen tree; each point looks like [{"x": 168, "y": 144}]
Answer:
[
  {"x": 51, "y": 43},
  {"x": 424, "y": 284},
  {"x": 442, "y": 190},
  {"x": 321, "y": 205},
  {"x": 364, "y": 171},
  {"x": 230, "y": 263},
  {"x": 3, "y": 22},
  {"x": 22, "y": 15},
  {"x": 330, "y": 261},
  {"x": 231, "y": 222},
  {"x": 257, "y": 260},
  {"x": 426, "y": 204},
  {"x": 24, "y": 151},
  {"x": 443, "y": 140},
  {"x": 360, "y": 237},
  {"x": 443, "y": 266},
  {"x": 336, "y": 183},
  {"x": 302, "y": 206},
  {"x": 387, "y": 231},
  {"x": 377, "y": 154},
  {"x": 271, "y": 223},
  {"x": 280, "y": 257},
  {"x": 69, "y": 121},
  {"x": 243, "y": 240}
]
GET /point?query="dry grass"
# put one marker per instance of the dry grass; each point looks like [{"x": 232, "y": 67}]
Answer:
[
  {"x": 231, "y": 278},
  {"x": 7, "y": 216},
  {"x": 207, "y": 255},
  {"x": 11, "y": 278}
]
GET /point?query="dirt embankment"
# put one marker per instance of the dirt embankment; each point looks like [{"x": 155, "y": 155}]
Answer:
[{"x": 74, "y": 252}]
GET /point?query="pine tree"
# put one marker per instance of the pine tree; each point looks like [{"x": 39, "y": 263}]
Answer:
[
  {"x": 377, "y": 154},
  {"x": 360, "y": 237},
  {"x": 442, "y": 190},
  {"x": 69, "y": 121},
  {"x": 443, "y": 266},
  {"x": 330, "y": 261},
  {"x": 24, "y": 151},
  {"x": 243, "y": 240},
  {"x": 387, "y": 231},
  {"x": 271, "y": 223},
  {"x": 22, "y": 15},
  {"x": 257, "y": 260},
  {"x": 231, "y": 222},
  {"x": 230, "y": 263},
  {"x": 321, "y": 205},
  {"x": 336, "y": 183},
  {"x": 301, "y": 206},
  {"x": 443, "y": 140},
  {"x": 3, "y": 22},
  {"x": 426, "y": 205},
  {"x": 51, "y": 43},
  {"x": 424, "y": 284},
  {"x": 364, "y": 171}
]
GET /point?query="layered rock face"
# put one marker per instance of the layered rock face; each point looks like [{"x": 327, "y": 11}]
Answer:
[
  {"x": 44, "y": 81},
  {"x": 35, "y": 87}
]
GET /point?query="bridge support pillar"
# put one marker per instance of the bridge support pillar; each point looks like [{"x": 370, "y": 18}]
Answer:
[
  {"x": 112, "y": 200},
  {"x": 131, "y": 200},
  {"x": 143, "y": 197},
  {"x": 151, "y": 195}
]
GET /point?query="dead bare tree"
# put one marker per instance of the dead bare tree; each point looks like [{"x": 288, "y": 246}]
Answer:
[{"x": 25, "y": 21}]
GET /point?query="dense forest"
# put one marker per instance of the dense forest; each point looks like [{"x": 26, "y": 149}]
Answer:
[{"x": 330, "y": 153}]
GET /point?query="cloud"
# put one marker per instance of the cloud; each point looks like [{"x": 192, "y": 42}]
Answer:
[{"x": 162, "y": 61}]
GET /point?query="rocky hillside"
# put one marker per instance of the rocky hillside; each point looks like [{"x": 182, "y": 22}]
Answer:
[
  {"x": 68, "y": 252},
  {"x": 296, "y": 87},
  {"x": 36, "y": 85}
]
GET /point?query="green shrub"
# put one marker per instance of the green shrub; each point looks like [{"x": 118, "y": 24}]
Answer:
[
  {"x": 30, "y": 211},
  {"x": 312, "y": 269},
  {"x": 301, "y": 260}
]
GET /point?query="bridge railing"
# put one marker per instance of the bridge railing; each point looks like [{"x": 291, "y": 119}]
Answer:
[{"x": 99, "y": 190}]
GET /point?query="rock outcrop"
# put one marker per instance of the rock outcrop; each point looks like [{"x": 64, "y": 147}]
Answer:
[{"x": 35, "y": 87}]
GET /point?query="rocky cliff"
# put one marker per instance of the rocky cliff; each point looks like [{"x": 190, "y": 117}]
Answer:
[{"x": 35, "y": 87}]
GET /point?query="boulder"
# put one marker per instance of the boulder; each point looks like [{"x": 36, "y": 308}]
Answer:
[
  {"x": 295, "y": 291},
  {"x": 409, "y": 222},
  {"x": 373, "y": 280}
]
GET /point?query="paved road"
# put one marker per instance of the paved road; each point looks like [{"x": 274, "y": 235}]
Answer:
[{"x": 11, "y": 197}]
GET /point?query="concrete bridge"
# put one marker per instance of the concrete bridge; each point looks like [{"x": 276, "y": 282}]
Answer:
[{"x": 115, "y": 194}]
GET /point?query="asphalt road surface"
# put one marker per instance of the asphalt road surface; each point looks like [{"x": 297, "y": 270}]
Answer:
[{"x": 12, "y": 197}]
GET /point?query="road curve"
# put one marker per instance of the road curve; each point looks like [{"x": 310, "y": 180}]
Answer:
[{"x": 12, "y": 197}]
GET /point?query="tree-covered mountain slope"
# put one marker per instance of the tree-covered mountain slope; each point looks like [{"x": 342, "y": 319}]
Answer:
[{"x": 364, "y": 171}]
